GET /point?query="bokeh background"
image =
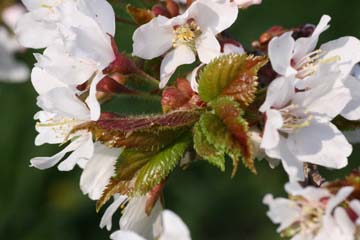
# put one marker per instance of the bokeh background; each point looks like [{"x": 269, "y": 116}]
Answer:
[{"x": 42, "y": 205}]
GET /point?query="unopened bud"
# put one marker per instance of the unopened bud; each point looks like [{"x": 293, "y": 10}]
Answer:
[
  {"x": 160, "y": 10},
  {"x": 172, "y": 7}
]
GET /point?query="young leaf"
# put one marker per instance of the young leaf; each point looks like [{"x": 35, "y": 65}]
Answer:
[
  {"x": 160, "y": 165},
  {"x": 141, "y": 133},
  {"x": 231, "y": 115},
  {"x": 207, "y": 151},
  {"x": 231, "y": 75},
  {"x": 138, "y": 172}
]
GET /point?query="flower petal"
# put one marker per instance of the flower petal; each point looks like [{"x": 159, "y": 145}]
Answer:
[
  {"x": 320, "y": 143},
  {"x": 153, "y": 39},
  {"x": 58, "y": 101},
  {"x": 279, "y": 93},
  {"x": 106, "y": 220},
  {"x": 125, "y": 235},
  {"x": 281, "y": 50},
  {"x": 282, "y": 211},
  {"x": 292, "y": 166},
  {"x": 215, "y": 16},
  {"x": 346, "y": 49},
  {"x": 99, "y": 170},
  {"x": 352, "y": 109},
  {"x": 303, "y": 46},
  {"x": 207, "y": 47},
  {"x": 274, "y": 122},
  {"x": 169, "y": 226},
  {"x": 31, "y": 26},
  {"x": 135, "y": 219},
  {"x": 102, "y": 12},
  {"x": 172, "y": 60}
]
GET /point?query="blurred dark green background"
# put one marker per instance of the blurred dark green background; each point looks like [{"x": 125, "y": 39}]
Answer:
[{"x": 42, "y": 205}]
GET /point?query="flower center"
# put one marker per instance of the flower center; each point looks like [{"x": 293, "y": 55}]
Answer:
[
  {"x": 294, "y": 119},
  {"x": 309, "y": 64},
  {"x": 186, "y": 34},
  {"x": 310, "y": 220},
  {"x": 61, "y": 127}
]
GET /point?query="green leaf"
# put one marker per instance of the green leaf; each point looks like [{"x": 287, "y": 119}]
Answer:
[
  {"x": 160, "y": 165},
  {"x": 231, "y": 75},
  {"x": 207, "y": 151},
  {"x": 147, "y": 133},
  {"x": 231, "y": 115}
]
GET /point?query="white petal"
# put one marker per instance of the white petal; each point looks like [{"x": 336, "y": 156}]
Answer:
[
  {"x": 99, "y": 170},
  {"x": 48, "y": 162},
  {"x": 310, "y": 193},
  {"x": 355, "y": 206},
  {"x": 125, "y": 235},
  {"x": 282, "y": 211},
  {"x": 172, "y": 60},
  {"x": 327, "y": 102},
  {"x": 281, "y": 50},
  {"x": 207, "y": 47},
  {"x": 212, "y": 15},
  {"x": 102, "y": 12},
  {"x": 341, "y": 196},
  {"x": 303, "y": 46},
  {"x": 135, "y": 219},
  {"x": 58, "y": 101},
  {"x": 320, "y": 143},
  {"x": 65, "y": 68},
  {"x": 229, "y": 48},
  {"x": 346, "y": 49},
  {"x": 192, "y": 77},
  {"x": 85, "y": 151},
  {"x": 153, "y": 39},
  {"x": 32, "y": 25},
  {"x": 292, "y": 166},
  {"x": 279, "y": 93},
  {"x": 93, "y": 44},
  {"x": 274, "y": 122},
  {"x": 169, "y": 226},
  {"x": 352, "y": 109},
  {"x": 344, "y": 222},
  {"x": 106, "y": 220},
  {"x": 43, "y": 82},
  {"x": 91, "y": 101}
]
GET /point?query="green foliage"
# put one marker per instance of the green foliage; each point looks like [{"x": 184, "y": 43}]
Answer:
[
  {"x": 224, "y": 132},
  {"x": 138, "y": 172},
  {"x": 231, "y": 75},
  {"x": 160, "y": 165},
  {"x": 206, "y": 150},
  {"x": 232, "y": 116}
]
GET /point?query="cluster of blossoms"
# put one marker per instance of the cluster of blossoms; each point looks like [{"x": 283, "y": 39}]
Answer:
[
  {"x": 11, "y": 70},
  {"x": 286, "y": 101}
]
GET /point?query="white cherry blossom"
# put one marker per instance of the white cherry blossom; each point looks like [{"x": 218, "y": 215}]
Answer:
[
  {"x": 181, "y": 37},
  {"x": 311, "y": 213},
  {"x": 298, "y": 127}
]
